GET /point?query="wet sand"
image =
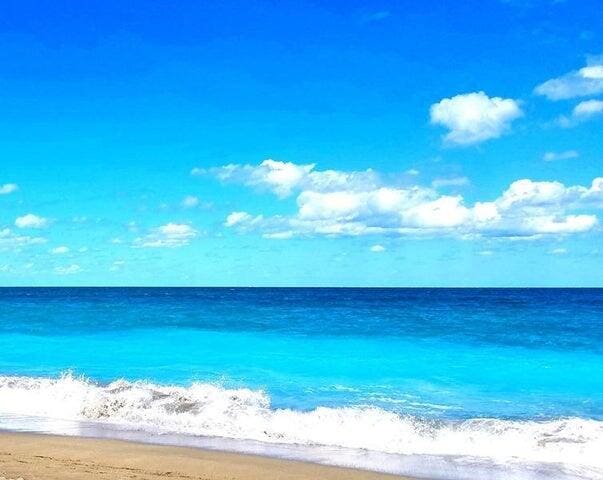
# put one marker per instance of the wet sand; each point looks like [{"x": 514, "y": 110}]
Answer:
[{"x": 41, "y": 457}]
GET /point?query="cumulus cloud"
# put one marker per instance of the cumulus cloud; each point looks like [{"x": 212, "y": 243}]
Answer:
[
  {"x": 11, "y": 241},
  {"x": 8, "y": 188},
  {"x": 526, "y": 208},
  {"x": 377, "y": 248},
  {"x": 31, "y": 221},
  {"x": 583, "y": 111},
  {"x": 474, "y": 117},
  {"x": 443, "y": 212},
  {"x": 554, "y": 156},
  {"x": 285, "y": 178},
  {"x": 60, "y": 250},
  {"x": 68, "y": 269},
  {"x": 170, "y": 235},
  {"x": 584, "y": 82}
]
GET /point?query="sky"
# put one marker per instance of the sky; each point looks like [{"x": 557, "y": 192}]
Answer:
[{"x": 298, "y": 143}]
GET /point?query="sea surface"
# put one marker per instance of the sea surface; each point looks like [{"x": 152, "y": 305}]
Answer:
[{"x": 436, "y": 383}]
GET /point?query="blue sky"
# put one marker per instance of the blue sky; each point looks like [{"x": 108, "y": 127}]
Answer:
[{"x": 400, "y": 143}]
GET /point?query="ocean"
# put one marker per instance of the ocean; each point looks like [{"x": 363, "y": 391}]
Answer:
[{"x": 435, "y": 383}]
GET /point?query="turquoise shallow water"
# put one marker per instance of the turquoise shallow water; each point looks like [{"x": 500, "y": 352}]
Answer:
[{"x": 423, "y": 371}]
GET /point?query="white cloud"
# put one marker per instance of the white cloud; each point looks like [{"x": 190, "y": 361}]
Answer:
[
  {"x": 60, "y": 250},
  {"x": 284, "y": 178},
  {"x": 244, "y": 222},
  {"x": 486, "y": 253},
  {"x": 8, "y": 188},
  {"x": 450, "y": 182},
  {"x": 31, "y": 221},
  {"x": 588, "y": 108},
  {"x": 377, "y": 248},
  {"x": 279, "y": 235},
  {"x": 554, "y": 156},
  {"x": 236, "y": 218},
  {"x": 190, "y": 201},
  {"x": 170, "y": 235},
  {"x": 344, "y": 205},
  {"x": 558, "y": 251},
  {"x": 280, "y": 177},
  {"x": 552, "y": 224},
  {"x": 527, "y": 193},
  {"x": 582, "y": 112},
  {"x": 444, "y": 212},
  {"x": 594, "y": 72},
  {"x": 584, "y": 82},
  {"x": 474, "y": 117},
  {"x": 525, "y": 209},
  {"x": 68, "y": 269},
  {"x": 11, "y": 241}
]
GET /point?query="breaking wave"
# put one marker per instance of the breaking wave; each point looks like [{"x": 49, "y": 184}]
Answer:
[{"x": 204, "y": 409}]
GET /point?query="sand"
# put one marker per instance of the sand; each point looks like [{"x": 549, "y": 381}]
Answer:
[{"x": 34, "y": 456}]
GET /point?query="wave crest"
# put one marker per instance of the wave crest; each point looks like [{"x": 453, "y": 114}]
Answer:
[{"x": 204, "y": 409}]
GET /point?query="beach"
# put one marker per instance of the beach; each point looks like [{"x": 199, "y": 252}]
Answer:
[{"x": 40, "y": 457}]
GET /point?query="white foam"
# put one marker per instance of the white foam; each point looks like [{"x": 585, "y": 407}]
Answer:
[{"x": 572, "y": 444}]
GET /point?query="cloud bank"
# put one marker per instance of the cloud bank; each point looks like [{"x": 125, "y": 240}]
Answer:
[{"x": 526, "y": 209}]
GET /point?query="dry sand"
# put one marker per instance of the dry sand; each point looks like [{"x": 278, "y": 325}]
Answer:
[{"x": 33, "y": 456}]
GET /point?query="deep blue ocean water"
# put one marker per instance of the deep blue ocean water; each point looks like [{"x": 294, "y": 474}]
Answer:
[{"x": 449, "y": 373}]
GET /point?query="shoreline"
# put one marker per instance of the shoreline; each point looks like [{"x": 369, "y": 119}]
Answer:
[{"x": 45, "y": 457}]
